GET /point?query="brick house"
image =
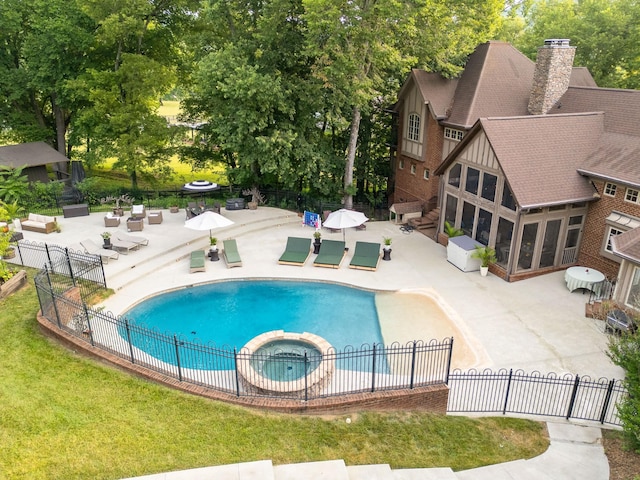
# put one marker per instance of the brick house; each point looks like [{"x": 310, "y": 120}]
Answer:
[{"x": 530, "y": 158}]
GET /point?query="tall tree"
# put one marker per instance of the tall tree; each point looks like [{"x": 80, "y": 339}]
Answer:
[
  {"x": 605, "y": 33},
  {"x": 363, "y": 47},
  {"x": 136, "y": 49}
]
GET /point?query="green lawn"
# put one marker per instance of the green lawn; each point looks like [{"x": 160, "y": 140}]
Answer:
[{"x": 63, "y": 416}]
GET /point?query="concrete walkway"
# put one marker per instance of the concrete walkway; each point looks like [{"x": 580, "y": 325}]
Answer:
[{"x": 535, "y": 324}]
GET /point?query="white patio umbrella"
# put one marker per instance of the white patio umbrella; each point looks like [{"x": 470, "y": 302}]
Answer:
[
  {"x": 207, "y": 221},
  {"x": 343, "y": 218}
]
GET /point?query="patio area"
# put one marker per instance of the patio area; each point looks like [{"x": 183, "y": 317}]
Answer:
[{"x": 535, "y": 324}]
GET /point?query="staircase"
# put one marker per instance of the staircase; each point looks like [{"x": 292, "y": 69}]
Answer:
[{"x": 430, "y": 220}]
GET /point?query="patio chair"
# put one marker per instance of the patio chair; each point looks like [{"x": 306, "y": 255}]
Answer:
[
  {"x": 230, "y": 253},
  {"x": 92, "y": 248},
  {"x": 198, "y": 263},
  {"x": 125, "y": 237},
  {"x": 296, "y": 252},
  {"x": 366, "y": 256},
  {"x": 618, "y": 321},
  {"x": 123, "y": 246},
  {"x": 135, "y": 224},
  {"x": 138, "y": 211},
  {"x": 110, "y": 220},
  {"x": 154, "y": 218},
  {"x": 331, "y": 254}
]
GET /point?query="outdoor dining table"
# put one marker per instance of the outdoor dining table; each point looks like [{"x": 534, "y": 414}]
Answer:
[{"x": 583, "y": 277}]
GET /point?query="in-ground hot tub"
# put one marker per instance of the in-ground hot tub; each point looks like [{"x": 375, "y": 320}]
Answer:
[{"x": 286, "y": 364}]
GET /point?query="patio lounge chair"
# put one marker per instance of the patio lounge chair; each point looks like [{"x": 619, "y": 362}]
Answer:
[
  {"x": 123, "y": 246},
  {"x": 366, "y": 256},
  {"x": 110, "y": 220},
  {"x": 198, "y": 263},
  {"x": 125, "y": 237},
  {"x": 230, "y": 253},
  {"x": 296, "y": 252},
  {"x": 331, "y": 254},
  {"x": 92, "y": 248}
]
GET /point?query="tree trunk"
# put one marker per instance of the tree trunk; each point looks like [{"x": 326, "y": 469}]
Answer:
[
  {"x": 61, "y": 136},
  {"x": 351, "y": 155}
]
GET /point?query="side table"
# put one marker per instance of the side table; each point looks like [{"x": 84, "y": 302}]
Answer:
[{"x": 213, "y": 255}]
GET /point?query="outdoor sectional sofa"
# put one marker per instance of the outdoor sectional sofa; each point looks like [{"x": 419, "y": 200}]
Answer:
[{"x": 39, "y": 223}]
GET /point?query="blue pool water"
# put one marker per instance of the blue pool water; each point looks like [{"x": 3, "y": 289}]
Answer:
[{"x": 229, "y": 314}]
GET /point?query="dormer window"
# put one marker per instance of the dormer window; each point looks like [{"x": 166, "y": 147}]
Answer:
[
  {"x": 453, "y": 134},
  {"x": 414, "y": 127}
]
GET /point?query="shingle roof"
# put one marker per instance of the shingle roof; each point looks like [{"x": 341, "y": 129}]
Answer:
[
  {"x": 496, "y": 82},
  {"x": 540, "y": 154},
  {"x": 581, "y": 77},
  {"x": 30, "y": 155},
  {"x": 616, "y": 158},
  {"x": 627, "y": 245},
  {"x": 436, "y": 90}
]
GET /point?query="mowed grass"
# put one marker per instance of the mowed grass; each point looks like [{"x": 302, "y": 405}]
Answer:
[{"x": 63, "y": 416}]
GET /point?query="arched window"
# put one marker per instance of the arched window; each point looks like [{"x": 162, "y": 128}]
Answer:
[{"x": 414, "y": 127}]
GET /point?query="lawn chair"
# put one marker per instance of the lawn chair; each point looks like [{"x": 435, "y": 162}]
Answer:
[
  {"x": 366, "y": 256},
  {"x": 331, "y": 254},
  {"x": 123, "y": 246},
  {"x": 197, "y": 262},
  {"x": 92, "y": 248},
  {"x": 296, "y": 252},
  {"x": 230, "y": 253},
  {"x": 140, "y": 241}
]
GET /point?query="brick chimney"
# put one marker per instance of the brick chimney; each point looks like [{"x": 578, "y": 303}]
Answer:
[{"x": 552, "y": 74}]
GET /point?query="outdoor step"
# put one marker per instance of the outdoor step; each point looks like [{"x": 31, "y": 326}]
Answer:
[
  {"x": 260, "y": 470},
  {"x": 503, "y": 471},
  {"x": 424, "y": 474},
  {"x": 328, "y": 470},
  {"x": 370, "y": 472}
]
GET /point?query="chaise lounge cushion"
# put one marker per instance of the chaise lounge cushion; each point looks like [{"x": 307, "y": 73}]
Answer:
[
  {"x": 197, "y": 262},
  {"x": 366, "y": 256},
  {"x": 39, "y": 223}
]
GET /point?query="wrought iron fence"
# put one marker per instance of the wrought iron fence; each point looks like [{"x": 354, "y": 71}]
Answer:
[
  {"x": 244, "y": 373},
  {"x": 62, "y": 267},
  {"x": 509, "y": 391}
]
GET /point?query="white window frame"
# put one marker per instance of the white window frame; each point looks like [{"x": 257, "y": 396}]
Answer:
[
  {"x": 632, "y": 195},
  {"x": 413, "y": 169},
  {"x": 635, "y": 277},
  {"x": 413, "y": 127},
  {"x": 612, "y": 231},
  {"x": 453, "y": 134},
  {"x": 401, "y": 164},
  {"x": 610, "y": 189},
  {"x": 425, "y": 174}
]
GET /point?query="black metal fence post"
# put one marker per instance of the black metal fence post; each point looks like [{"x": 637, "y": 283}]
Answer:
[
  {"x": 574, "y": 392},
  {"x": 177, "y": 345},
  {"x": 506, "y": 396},
  {"x": 53, "y": 298},
  {"x": 306, "y": 377},
  {"x": 46, "y": 249},
  {"x": 607, "y": 400},
  {"x": 413, "y": 364},
  {"x": 235, "y": 364},
  {"x": 73, "y": 278},
  {"x": 446, "y": 380},
  {"x": 86, "y": 313},
  {"x": 373, "y": 369},
  {"x": 128, "y": 329}
]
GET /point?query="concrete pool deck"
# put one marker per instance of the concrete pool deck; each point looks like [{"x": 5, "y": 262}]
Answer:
[{"x": 534, "y": 324}]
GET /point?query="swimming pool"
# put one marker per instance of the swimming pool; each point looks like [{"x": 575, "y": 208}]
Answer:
[{"x": 230, "y": 313}]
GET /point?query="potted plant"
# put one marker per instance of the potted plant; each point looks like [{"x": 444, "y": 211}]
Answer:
[
  {"x": 11, "y": 212},
  {"x": 487, "y": 256},
  {"x": 106, "y": 237},
  {"x": 213, "y": 241},
  {"x": 386, "y": 249},
  {"x": 117, "y": 208},
  {"x": 317, "y": 235},
  {"x": 256, "y": 197}
]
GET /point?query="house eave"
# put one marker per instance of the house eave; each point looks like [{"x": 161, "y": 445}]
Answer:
[{"x": 609, "y": 178}]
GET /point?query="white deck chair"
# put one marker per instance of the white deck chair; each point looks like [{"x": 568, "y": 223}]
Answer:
[
  {"x": 91, "y": 247},
  {"x": 131, "y": 238}
]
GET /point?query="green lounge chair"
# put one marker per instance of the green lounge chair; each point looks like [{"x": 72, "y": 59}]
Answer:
[
  {"x": 230, "y": 254},
  {"x": 296, "y": 252},
  {"x": 197, "y": 261},
  {"x": 366, "y": 256},
  {"x": 331, "y": 254}
]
